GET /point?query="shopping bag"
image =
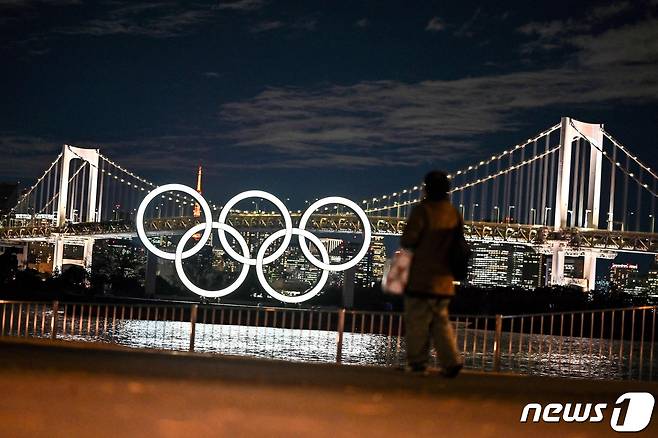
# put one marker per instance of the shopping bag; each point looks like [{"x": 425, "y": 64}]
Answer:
[{"x": 396, "y": 272}]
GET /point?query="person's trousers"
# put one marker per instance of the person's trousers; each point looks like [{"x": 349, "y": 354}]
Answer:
[{"x": 427, "y": 318}]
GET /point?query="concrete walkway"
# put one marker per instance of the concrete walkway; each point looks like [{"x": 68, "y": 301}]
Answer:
[{"x": 69, "y": 390}]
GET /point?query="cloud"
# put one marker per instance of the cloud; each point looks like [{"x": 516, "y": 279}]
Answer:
[
  {"x": 435, "y": 25},
  {"x": 391, "y": 123},
  {"x": 240, "y": 5},
  {"x": 557, "y": 34},
  {"x": 28, "y": 155},
  {"x": 156, "y": 20},
  {"x": 394, "y": 123},
  {"x": 628, "y": 45},
  {"x": 33, "y": 3},
  {"x": 466, "y": 29},
  {"x": 362, "y": 23},
  {"x": 305, "y": 24},
  {"x": 211, "y": 74},
  {"x": 266, "y": 26}
]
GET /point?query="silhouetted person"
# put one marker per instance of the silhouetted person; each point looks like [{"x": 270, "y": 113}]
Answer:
[{"x": 430, "y": 233}]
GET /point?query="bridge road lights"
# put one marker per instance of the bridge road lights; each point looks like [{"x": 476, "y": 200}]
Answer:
[
  {"x": 587, "y": 212},
  {"x": 403, "y": 211},
  {"x": 546, "y": 210},
  {"x": 388, "y": 210},
  {"x": 461, "y": 208},
  {"x": 509, "y": 212},
  {"x": 533, "y": 216},
  {"x": 569, "y": 222},
  {"x": 497, "y": 210},
  {"x": 473, "y": 212}
]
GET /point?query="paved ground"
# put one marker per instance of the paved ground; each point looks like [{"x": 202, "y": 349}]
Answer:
[{"x": 69, "y": 390}]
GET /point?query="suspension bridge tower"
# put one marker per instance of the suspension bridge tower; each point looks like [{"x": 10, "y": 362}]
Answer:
[
  {"x": 91, "y": 211},
  {"x": 572, "y": 130}
]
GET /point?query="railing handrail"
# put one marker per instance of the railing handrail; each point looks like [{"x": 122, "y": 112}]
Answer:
[
  {"x": 162, "y": 303},
  {"x": 569, "y": 312}
]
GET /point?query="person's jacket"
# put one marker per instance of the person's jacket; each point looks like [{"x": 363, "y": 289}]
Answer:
[{"x": 429, "y": 233}]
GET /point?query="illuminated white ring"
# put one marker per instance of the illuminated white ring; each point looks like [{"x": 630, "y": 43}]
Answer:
[
  {"x": 179, "y": 188},
  {"x": 178, "y": 261},
  {"x": 269, "y": 289},
  {"x": 366, "y": 233},
  {"x": 286, "y": 219}
]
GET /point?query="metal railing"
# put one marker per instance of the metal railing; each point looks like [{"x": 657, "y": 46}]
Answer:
[{"x": 611, "y": 343}]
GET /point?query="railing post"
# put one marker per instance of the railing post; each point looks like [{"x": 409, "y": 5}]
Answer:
[
  {"x": 497, "y": 339},
  {"x": 193, "y": 315},
  {"x": 341, "y": 330},
  {"x": 54, "y": 320}
]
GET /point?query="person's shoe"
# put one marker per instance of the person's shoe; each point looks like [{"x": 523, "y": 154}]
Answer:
[
  {"x": 416, "y": 369},
  {"x": 452, "y": 371}
]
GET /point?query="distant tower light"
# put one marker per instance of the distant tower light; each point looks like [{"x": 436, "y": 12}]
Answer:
[{"x": 197, "y": 207}]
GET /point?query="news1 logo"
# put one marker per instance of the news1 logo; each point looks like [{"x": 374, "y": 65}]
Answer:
[{"x": 631, "y": 412}]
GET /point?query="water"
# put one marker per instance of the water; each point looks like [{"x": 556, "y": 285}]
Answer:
[{"x": 569, "y": 356}]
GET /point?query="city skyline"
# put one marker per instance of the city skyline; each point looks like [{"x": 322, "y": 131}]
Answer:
[
  {"x": 374, "y": 218},
  {"x": 569, "y": 189}
]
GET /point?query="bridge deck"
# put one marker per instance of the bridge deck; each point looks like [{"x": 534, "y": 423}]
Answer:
[
  {"x": 73, "y": 390},
  {"x": 536, "y": 235}
]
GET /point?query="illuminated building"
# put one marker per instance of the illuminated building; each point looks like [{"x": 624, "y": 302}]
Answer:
[
  {"x": 370, "y": 268},
  {"x": 40, "y": 257},
  {"x": 652, "y": 277},
  {"x": 502, "y": 264},
  {"x": 625, "y": 277}
]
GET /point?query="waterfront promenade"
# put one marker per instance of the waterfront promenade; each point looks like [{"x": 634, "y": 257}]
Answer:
[{"x": 70, "y": 389}]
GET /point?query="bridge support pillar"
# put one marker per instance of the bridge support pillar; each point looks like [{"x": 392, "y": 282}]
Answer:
[
  {"x": 557, "y": 266},
  {"x": 91, "y": 156},
  {"x": 88, "y": 251},
  {"x": 151, "y": 275},
  {"x": 589, "y": 270},
  {"x": 22, "y": 256},
  {"x": 348, "y": 288},
  {"x": 58, "y": 254}
]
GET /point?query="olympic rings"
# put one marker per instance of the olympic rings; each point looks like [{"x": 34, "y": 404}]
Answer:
[
  {"x": 222, "y": 227},
  {"x": 194, "y": 288},
  {"x": 179, "y": 188},
  {"x": 263, "y": 281},
  {"x": 366, "y": 233},
  {"x": 256, "y": 194}
]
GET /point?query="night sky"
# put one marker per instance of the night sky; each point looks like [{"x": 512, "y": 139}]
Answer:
[{"x": 308, "y": 99}]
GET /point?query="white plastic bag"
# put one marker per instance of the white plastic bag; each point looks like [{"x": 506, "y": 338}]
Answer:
[{"x": 396, "y": 272}]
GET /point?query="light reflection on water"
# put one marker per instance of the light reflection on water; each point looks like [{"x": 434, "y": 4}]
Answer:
[
  {"x": 266, "y": 342},
  {"x": 534, "y": 354}
]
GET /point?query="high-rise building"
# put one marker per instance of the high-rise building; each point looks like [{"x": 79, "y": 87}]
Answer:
[
  {"x": 625, "y": 277},
  {"x": 40, "y": 257},
  {"x": 370, "y": 268},
  {"x": 652, "y": 277},
  {"x": 500, "y": 264}
]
